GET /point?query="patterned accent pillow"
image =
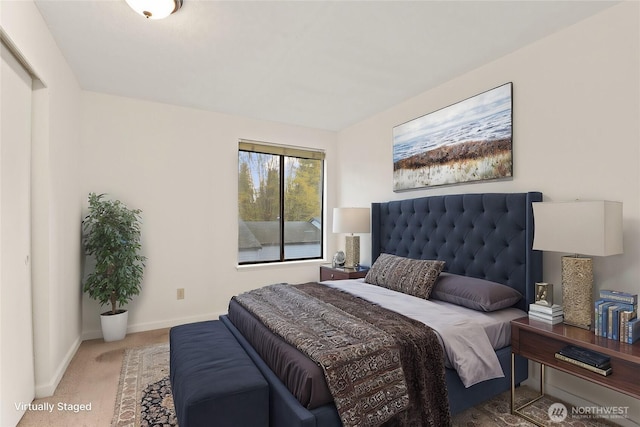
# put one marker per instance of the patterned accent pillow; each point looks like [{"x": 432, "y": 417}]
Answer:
[{"x": 409, "y": 276}]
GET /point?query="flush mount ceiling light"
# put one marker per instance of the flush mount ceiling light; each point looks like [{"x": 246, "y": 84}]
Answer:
[{"x": 155, "y": 9}]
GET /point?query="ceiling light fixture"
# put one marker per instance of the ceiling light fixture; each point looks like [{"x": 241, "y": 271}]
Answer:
[{"x": 155, "y": 9}]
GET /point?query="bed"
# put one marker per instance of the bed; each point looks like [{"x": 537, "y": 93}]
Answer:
[{"x": 477, "y": 236}]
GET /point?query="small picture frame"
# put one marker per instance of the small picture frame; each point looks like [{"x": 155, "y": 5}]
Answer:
[{"x": 544, "y": 294}]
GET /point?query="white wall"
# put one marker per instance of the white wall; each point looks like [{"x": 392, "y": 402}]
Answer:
[
  {"x": 576, "y": 135},
  {"x": 179, "y": 166},
  {"x": 56, "y": 202}
]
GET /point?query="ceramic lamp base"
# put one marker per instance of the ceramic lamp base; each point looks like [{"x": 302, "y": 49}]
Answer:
[
  {"x": 352, "y": 252},
  {"x": 577, "y": 291}
]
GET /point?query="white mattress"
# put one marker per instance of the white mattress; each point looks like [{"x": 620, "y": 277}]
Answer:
[{"x": 469, "y": 338}]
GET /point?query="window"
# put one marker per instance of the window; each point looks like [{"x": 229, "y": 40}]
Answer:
[{"x": 280, "y": 199}]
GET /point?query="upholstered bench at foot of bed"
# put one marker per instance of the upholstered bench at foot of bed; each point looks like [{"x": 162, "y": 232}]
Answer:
[
  {"x": 213, "y": 380},
  {"x": 284, "y": 409}
]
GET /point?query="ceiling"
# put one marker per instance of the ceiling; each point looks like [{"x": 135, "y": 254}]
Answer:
[{"x": 326, "y": 64}]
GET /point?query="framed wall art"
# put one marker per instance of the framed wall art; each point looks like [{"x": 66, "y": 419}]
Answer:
[{"x": 468, "y": 141}]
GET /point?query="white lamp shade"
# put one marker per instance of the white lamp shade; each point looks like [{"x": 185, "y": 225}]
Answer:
[
  {"x": 351, "y": 220},
  {"x": 592, "y": 228},
  {"x": 155, "y": 9}
]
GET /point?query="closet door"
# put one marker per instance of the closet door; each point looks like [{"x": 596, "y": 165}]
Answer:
[{"x": 16, "y": 333}]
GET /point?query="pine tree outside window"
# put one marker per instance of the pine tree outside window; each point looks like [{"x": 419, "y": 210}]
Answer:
[{"x": 280, "y": 200}]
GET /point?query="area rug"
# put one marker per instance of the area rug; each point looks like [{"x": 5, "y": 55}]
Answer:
[
  {"x": 546, "y": 411},
  {"x": 144, "y": 399},
  {"x": 144, "y": 391}
]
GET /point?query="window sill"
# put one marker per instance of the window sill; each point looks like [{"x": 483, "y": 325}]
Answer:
[{"x": 287, "y": 264}]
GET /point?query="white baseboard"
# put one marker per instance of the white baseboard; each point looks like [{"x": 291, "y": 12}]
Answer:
[
  {"x": 47, "y": 389},
  {"x": 150, "y": 326}
]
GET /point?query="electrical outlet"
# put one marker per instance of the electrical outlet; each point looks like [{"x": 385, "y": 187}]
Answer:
[{"x": 180, "y": 293}]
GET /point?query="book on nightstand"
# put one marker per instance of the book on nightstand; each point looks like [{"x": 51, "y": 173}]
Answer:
[
  {"x": 619, "y": 296},
  {"x": 611, "y": 320},
  {"x": 588, "y": 359},
  {"x": 593, "y": 358},
  {"x": 605, "y": 372},
  {"x": 554, "y": 309},
  {"x": 625, "y": 317},
  {"x": 633, "y": 333},
  {"x": 544, "y": 313},
  {"x": 602, "y": 317}
]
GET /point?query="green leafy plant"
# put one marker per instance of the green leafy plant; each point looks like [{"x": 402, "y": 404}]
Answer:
[{"x": 112, "y": 237}]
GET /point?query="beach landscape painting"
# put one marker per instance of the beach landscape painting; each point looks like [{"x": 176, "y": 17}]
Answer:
[{"x": 464, "y": 142}]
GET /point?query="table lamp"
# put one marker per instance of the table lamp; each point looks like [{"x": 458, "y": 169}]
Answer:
[
  {"x": 351, "y": 220},
  {"x": 591, "y": 228}
]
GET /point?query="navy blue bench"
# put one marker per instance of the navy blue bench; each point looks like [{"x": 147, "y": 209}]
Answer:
[{"x": 213, "y": 380}]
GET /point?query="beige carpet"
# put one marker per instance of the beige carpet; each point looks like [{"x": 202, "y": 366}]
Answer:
[
  {"x": 91, "y": 377},
  {"x": 145, "y": 374}
]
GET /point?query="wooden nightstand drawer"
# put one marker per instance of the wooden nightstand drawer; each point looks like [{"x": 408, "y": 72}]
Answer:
[{"x": 330, "y": 273}]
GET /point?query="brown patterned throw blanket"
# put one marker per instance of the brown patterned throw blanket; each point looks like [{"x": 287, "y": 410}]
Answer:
[{"x": 381, "y": 367}]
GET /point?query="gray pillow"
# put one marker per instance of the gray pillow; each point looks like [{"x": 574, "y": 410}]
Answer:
[
  {"x": 477, "y": 294},
  {"x": 410, "y": 276}
]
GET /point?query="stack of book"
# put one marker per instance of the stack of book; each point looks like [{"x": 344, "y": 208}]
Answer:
[
  {"x": 591, "y": 360},
  {"x": 544, "y": 313},
  {"x": 615, "y": 316}
]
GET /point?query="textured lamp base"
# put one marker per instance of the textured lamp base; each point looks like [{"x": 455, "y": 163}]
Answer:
[
  {"x": 577, "y": 291},
  {"x": 352, "y": 252}
]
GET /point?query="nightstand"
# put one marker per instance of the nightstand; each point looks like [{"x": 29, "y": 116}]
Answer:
[
  {"x": 539, "y": 342},
  {"x": 339, "y": 273}
]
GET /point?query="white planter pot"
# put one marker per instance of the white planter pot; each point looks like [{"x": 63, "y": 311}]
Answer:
[{"x": 114, "y": 326}]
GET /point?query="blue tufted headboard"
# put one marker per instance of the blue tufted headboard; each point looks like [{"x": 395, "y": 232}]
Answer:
[{"x": 488, "y": 236}]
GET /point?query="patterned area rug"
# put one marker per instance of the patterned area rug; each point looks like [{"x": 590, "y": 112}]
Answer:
[
  {"x": 497, "y": 412},
  {"x": 144, "y": 392},
  {"x": 144, "y": 399}
]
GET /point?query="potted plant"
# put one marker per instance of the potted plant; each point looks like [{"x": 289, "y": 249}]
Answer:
[{"x": 112, "y": 237}]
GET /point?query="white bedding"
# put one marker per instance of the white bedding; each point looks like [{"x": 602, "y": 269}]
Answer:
[{"x": 469, "y": 338}]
